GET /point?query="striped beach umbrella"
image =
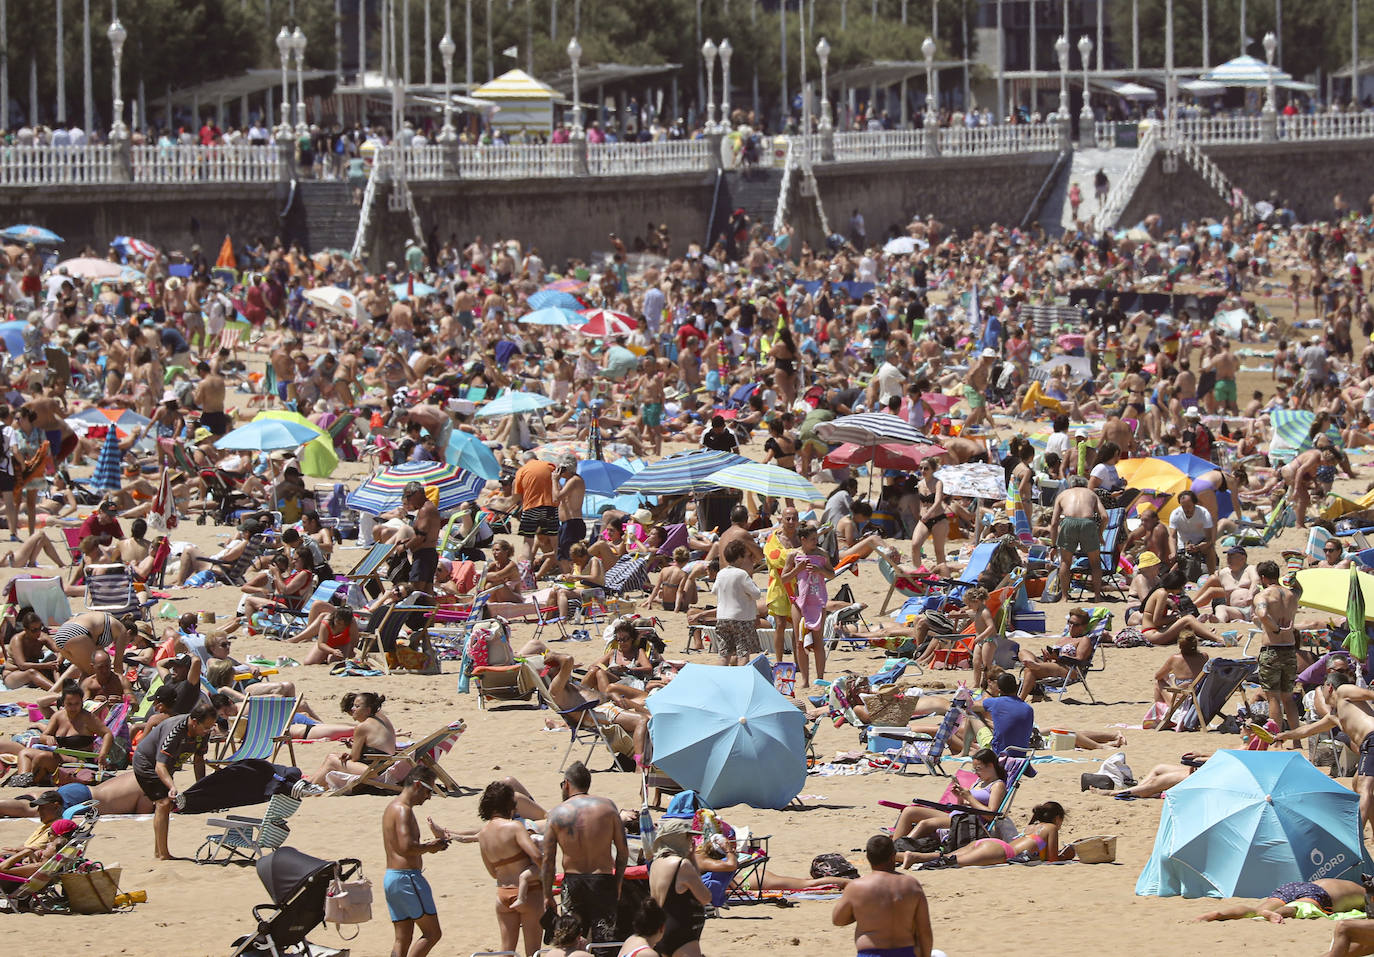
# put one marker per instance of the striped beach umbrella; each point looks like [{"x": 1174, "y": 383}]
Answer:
[
  {"x": 606, "y": 324},
  {"x": 107, "y": 472},
  {"x": 871, "y": 428},
  {"x": 770, "y": 481},
  {"x": 1292, "y": 428},
  {"x": 126, "y": 421},
  {"x": 681, "y": 473},
  {"x": 555, "y": 299},
  {"x": 382, "y": 491}
]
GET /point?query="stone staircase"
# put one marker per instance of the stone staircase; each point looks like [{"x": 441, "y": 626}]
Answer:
[
  {"x": 1058, "y": 213},
  {"x": 756, "y": 191},
  {"x": 328, "y": 217}
]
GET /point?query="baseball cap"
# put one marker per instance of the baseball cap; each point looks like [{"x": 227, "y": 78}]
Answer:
[
  {"x": 47, "y": 797},
  {"x": 1147, "y": 560},
  {"x": 108, "y": 505}
]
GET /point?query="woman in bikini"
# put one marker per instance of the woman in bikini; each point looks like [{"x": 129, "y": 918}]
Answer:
[
  {"x": 72, "y": 727},
  {"x": 26, "y": 646},
  {"x": 337, "y": 638},
  {"x": 1161, "y": 618},
  {"x": 917, "y": 822},
  {"x": 284, "y": 584},
  {"x": 79, "y": 638},
  {"x": 934, "y": 522},
  {"x": 373, "y": 736},
  {"x": 676, "y": 589},
  {"x": 513, "y": 859},
  {"x": 1038, "y": 842},
  {"x": 627, "y": 660}
]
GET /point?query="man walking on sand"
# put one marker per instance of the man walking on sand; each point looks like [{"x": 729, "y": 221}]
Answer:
[
  {"x": 408, "y": 896},
  {"x": 585, "y": 828},
  {"x": 889, "y": 910},
  {"x": 1076, "y": 528}
]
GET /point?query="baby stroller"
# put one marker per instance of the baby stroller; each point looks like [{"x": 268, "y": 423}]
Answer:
[{"x": 298, "y": 885}]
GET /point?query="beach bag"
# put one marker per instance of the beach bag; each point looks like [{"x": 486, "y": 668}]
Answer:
[
  {"x": 348, "y": 902},
  {"x": 833, "y": 865},
  {"x": 627, "y": 574},
  {"x": 93, "y": 891},
  {"x": 963, "y": 829},
  {"x": 464, "y": 576},
  {"x": 1096, "y": 850}
]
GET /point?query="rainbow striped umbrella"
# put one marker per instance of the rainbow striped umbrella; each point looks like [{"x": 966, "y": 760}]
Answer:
[{"x": 382, "y": 491}]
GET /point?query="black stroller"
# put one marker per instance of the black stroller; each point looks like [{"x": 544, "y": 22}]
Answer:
[{"x": 298, "y": 884}]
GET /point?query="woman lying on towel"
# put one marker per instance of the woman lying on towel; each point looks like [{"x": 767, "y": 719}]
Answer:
[{"x": 1038, "y": 842}]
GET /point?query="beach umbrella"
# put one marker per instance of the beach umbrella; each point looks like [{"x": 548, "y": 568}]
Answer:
[
  {"x": 569, "y": 285},
  {"x": 682, "y": 473},
  {"x": 888, "y": 455},
  {"x": 974, "y": 479},
  {"x": 728, "y": 734},
  {"x": 554, "y": 299},
  {"x": 1245, "y": 70},
  {"x": 13, "y": 335},
  {"x": 163, "y": 516},
  {"x": 24, "y": 233},
  {"x": 403, "y": 290},
  {"x": 871, "y": 428},
  {"x": 126, "y": 421},
  {"x": 1080, "y": 369},
  {"x": 88, "y": 267},
  {"x": 341, "y": 302},
  {"x": 593, "y": 505},
  {"x": 606, "y": 324},
  {"x": 1292, "y": 428},
  {"x": 267, "y": 435},
  {"x": 128, "y": 246},
  {"x": 107, "y": 466},
  {"x": 553, "y": 316},
  {"x": 1248, "y": 821},
  {"x": 513, "y": 403},
  {"x": 382, "y": 491},
  {"x": 770, "y": 481},
  {"x": 603, "y": 478},
  {"x": 1328, "y": 589},
  {"x": 940, "y": 403},
  {"x": 318, "y": 458},
  {"x": 903, "y": 245},
  {"x": 1357, "y": 641},
  {"x": 552, "y": 451},
  {"x": 467, "y": 451},
  {"x": 1164, "y": 473}
]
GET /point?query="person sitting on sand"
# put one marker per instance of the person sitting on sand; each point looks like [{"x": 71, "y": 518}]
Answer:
[
  {"x": 74, "y": 728},
  {"x": 1331, "y": 895},
  {"x": 25, "y": 653},
  {"x": 337, "y": 638},
  {"x": 676, "y": 589},
  {"x": 1180, "y": 669},
  {"x": 1038, "y": 842},
  {"x": 1162, "y": 619},
  {"x": 374, "y": 736}
]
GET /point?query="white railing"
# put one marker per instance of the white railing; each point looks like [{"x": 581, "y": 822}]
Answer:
[
  {"x": 516, "y": 161},
  {"x": 1215, "y": 178},
  {"x": 665, "y": 156},
  {"x": 365, "y": 209},
  {"x": 1127, "y": 183},
  {"x": 1221, "y": 129},
  {"x": 424, "y": 162},
  {"x": 186, "y": 163},
  {"x": 38, "y": 165},
  {"x": 879, "y": 145},
  {"x": 1327, "y": 126},
  {"x": 789, "y": 164},
  {"x": 1104, "y": 134},
  {"x": 992, "y": 140}
]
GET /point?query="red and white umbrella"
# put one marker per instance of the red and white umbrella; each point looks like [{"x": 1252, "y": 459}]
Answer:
[
  {"x": 890, "y": 455},
  {"x": 606, "y": 324},
  {"x": 140, "y": 248}
]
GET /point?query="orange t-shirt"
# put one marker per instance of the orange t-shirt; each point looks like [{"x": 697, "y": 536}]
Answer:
[{"x": 534, "y": 484}]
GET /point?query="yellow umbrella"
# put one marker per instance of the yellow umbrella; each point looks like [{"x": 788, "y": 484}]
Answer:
[
  {"x": 318, "y": 458},
  {"x": 1154, "y": 473},
  {"x": 1328, "y": 589}
]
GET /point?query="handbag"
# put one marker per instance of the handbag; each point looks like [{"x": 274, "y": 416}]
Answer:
[{"x": 348, "y": 902}]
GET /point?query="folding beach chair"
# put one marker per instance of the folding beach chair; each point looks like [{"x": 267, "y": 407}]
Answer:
[
  {"x": 1099, "y": 627},
  {"x": 900, "y": 584},
  {"x": 929, "y": 753},
  {"x": 248, "y": 838},
  {"x": 371, "y": 568},
  {"x": 1257, "y": 534},
  {"x": 995, "y": 823},
  {"x": 1198, "y": 702},
  {"x": 110, "y": 588},
  {"x": 265, "y": 725},
  {"x": 45, "y": 596},
  {"x": 386, "y": 773},
  {"x": 1110, "y": 555},
  {"x": 41, "y": 891},
  {"x": 234, "y": 572},
  {"x": 585, "y": 726},
  {"x": 500, "y": 677}
]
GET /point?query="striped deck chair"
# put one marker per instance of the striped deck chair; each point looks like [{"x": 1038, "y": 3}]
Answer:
[
  {"x": 1113, "y": 538},
  {"x": 110, "y": 588},
  {"x": 116, "y": 718},
  {"x": 265, "y": 724},
  {"x": 35, "y": 893},
  {"x": 247, "y": 838},
  {"x": 387, "y": 772},
  {"x": 234, "y": 572},
  {"x": 959, "y": 648},
  {"x": 928, "y": 753}
]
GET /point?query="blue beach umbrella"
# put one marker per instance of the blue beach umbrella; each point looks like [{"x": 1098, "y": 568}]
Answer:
[
  {"x": 467, "y": 451},
  {"x": 602, "y": 478},
  {"x": 557, "y": 299},
  {"x": 107, "y": 472},
  {"x": 266, "y": 435},
  {"x": 1248, "y": 821},
  {"x": 24, "y": 233},
  {"x": 593, "y": 505},
  {"x": 728, "y": 734},
  {"x": 13, "y": 335},
  {"x": 552, "y": 316},
  {"x": 681, "y": 473},
  {"x": 383, "y": 490},
  {"x": 402, "y": 290},
  {"x": 512, "y": 403}
]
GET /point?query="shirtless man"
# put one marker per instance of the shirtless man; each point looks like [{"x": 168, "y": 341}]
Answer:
[
  {"x": 737, "y": 532},
  {"x": 408, "y": 895},
  {"x": 105, "y": 684},
  {"x": 1330, "y": 894},
  {"x": 572, "y": 528},
  {"x": 975, "y": 389},
  {"x": 1118, "y": 432},
  {"x": 424, "y": 544},
  {"x": 1275, "y": 609},
  {"x": 465, "y": 306},
  {"x": 1225, "y": 365},
  {"x": 1076, "y": 526},
  {"x": 888, "y": 909},
  {"x": 49, "y": 415},
  {"x": 1151, "y": 535},
  {"x": 195, "y": 320},
  {"x": 434, "y": 420},
  {"x": 651, "y": 399},
  {"x": 283, "y": 367},
  {"x": 209, "y": 397},
  {"x": 120, "y": 794},
  {"x": 1351, "y": 712},
  {"x": 585, "y": 829},
  {"x": 622, "y": 711}
]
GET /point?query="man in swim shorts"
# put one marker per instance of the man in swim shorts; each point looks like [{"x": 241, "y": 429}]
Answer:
[
  {"x": 1329, "y": 895},
  {"x": 408, "y": 896},
  {"x": 585, "y": 828},
  {"x": 888, "y": 909},
  {"x": 1076, "y": 529}
]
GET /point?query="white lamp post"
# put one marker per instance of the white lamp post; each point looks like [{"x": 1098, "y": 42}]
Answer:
[
  {"x": 708, "y": 51},
  {"x": 284, "y": 48},
  {"x": 823, "y": 54},
  {"x": 1061, "y": 48},
  {"x": 725, "y": 51},
  {"x": 931, "y": 123},
  {"x": 446, "y": 50},
  {"x": 117, "y": 35},
  {"x": 298, "y": 47},
  {"x": 1269, "y": 118},
  {"x": 575, "y": 57},
  {"x": 1086, "y": 121}
]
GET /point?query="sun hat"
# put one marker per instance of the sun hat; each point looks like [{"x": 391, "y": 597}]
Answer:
[{"x": 1147, "y": 560}]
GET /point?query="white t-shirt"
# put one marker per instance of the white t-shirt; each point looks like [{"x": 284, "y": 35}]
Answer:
[
  {"x": 1189, "y": 531},
  {"x": 890, "y": 381},
  {"x": 1108, "y": 477},
  {"x": 1058, "y": 443},
  {"x": 736, "y": 595}
]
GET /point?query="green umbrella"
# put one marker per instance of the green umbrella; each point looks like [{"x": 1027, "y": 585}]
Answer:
[
  {"x": 318, "y": 458},
  {"x": 1357, "y": 642}
]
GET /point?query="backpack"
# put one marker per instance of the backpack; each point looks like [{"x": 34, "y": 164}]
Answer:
[
  {"x": 833, "y": 865},
  {"x": 489, "y": 645},
  {"x": 963, "y": 830}
]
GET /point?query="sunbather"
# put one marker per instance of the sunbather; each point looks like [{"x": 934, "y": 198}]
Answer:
[
  {"x": 26, "y": 555},
  {"x": 1164, "y": 776},
  {"x": 917, "y": 821},
  {"x": 1075, "y": 650},
  {"x": 21, "y": 862},
  {"x": 1162, "y": 619},
  {"x": 1182, "y": 668},
  {"x": 72, "y": 728},
  {"x": 28, "y": 646},
  {"x": 1331, "y": 895},
  {"x": 1038, "y": 842},
  {"x": 117, "y": 795},
  {"x": 617, "y": 710},
  {"x": 373, "y": 736}
]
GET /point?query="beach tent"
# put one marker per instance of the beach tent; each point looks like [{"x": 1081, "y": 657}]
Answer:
[
  {"x": 523, "y": 103},
  {"x": 1248, "y": 821}
]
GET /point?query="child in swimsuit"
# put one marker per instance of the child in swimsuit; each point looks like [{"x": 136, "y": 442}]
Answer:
[{"x": 808, "y": 568}]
